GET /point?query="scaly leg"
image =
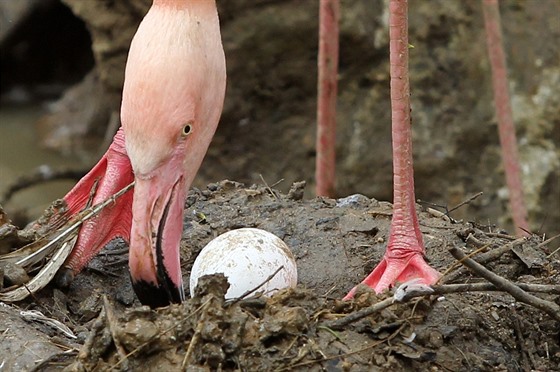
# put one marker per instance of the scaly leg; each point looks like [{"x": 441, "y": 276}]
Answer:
[{"x": 404, "y": 257}]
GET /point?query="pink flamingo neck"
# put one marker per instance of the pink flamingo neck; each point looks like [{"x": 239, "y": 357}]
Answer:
[{"x": 185, "y": 4}]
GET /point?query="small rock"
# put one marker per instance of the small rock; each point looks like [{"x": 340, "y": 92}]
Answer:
[
  {"x": 210, "y": 331},
  {"x": 90, "y": 307},
  {"x": 215, "y": 284},
  {"x": 296, "y": 190},
  {"x": 287, "y": 321},
  {"x": 213, "y": 355},
  {"x": 327, "y": 223},
  {"x": 8, "y": 234},
  {"x": 15, "y": 274},
  {"x": 358, "y": 223},
  {"x": 137, "y": 332},
  {"x": 356, "y": 200},
  {"x": 435, "y": 339}
]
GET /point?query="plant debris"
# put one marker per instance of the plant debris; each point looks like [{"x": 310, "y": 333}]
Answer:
[{"x": 466, "y": 324}]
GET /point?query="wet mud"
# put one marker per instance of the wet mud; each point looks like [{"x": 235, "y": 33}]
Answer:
[{"x": 336, "y": 243}]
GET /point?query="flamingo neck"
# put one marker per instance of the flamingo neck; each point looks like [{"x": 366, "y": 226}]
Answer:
[{"x": 185, "y": 4}]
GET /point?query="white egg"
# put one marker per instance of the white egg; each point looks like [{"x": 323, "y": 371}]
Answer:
[{"x": 247, "y": 257}]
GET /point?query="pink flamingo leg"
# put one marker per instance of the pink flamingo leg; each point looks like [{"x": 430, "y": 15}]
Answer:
[
  {"x": 329, "y": 14},
  {"x": 504, "y": 114},
  {"x": 404, "y": 257},
  {"x": 112, "y": 173}
]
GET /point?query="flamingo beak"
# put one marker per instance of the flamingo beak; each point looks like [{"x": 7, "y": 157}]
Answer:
[{"x": 157, "y": 226}]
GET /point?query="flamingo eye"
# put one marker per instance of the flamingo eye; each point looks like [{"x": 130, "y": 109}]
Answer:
[{"x": 187, "y": 129}]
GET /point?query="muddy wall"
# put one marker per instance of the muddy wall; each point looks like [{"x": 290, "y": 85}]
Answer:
[{"x": 267, "y": 127}]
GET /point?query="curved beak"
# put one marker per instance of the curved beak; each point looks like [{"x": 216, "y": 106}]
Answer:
[{"x": 157, "y": 226}]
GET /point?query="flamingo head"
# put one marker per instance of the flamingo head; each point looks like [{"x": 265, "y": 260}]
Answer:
[{"x": 172, "y": 100}]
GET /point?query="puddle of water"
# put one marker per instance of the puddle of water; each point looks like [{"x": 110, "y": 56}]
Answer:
[{"x": 20, "y": 155}]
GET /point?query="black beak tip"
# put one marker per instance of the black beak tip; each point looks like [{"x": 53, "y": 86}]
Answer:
[
  {"x": 157, "y": 296},
  {"x": 64, "y": 277}
]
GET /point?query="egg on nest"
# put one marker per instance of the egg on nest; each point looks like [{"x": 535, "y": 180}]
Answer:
[{"x": 247, "y": 257}]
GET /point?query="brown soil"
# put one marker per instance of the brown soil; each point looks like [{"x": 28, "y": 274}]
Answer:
[{"x": 336, "y": 243}]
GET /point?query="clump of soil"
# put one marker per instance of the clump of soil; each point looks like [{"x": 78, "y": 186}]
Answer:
[{"x": 336, "y": 243}]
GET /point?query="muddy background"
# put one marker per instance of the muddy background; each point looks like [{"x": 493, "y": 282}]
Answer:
[{"x": 268, "y": 123}]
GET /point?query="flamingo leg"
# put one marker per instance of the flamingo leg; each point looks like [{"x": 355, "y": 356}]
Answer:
[{"x": 404, "y": 256}]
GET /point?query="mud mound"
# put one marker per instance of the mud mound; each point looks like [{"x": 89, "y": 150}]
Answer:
[{"x": 336, "y": 243}]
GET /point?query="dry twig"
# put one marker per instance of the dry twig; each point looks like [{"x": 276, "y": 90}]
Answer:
[
  {"x": 268, "y": 187},
  {"x": 194, "y": 338},
  {"x": 505, "y": 285},
  {"x": 177, "y": 324},
  {"x": 339, "y": 324},
  {"x": 465, "y": 202},
  {"x": 111, "y": 322},
  {"x": 345, "y": 355},
  {"x": 251, "y": 291},
  {"x": 484, "y": 258}
]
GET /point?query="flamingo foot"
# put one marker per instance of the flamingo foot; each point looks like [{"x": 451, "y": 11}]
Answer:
[
  {"x": 112, "y": 173},
  {"x": 398, "y": 269}
]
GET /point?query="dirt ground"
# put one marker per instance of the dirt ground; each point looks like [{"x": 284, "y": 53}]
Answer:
[{"x": 336, "y": 243}]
